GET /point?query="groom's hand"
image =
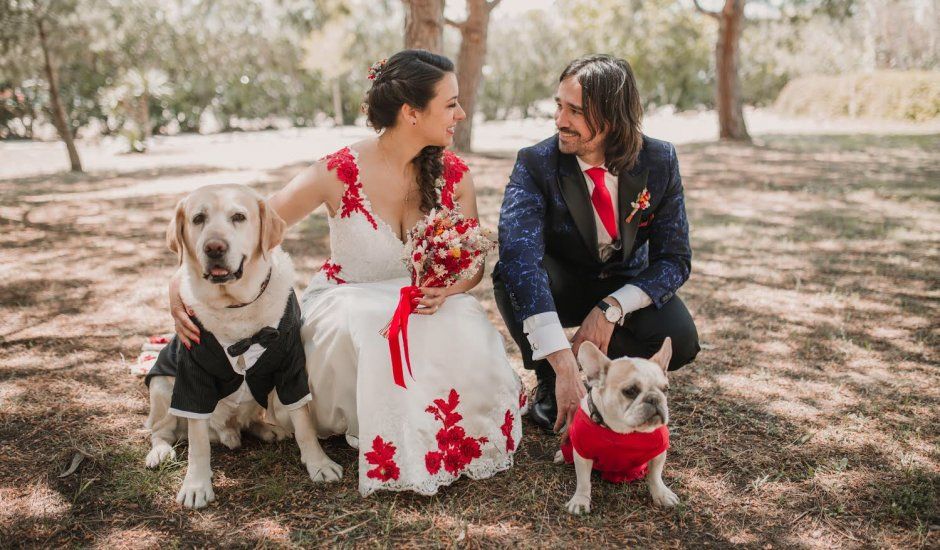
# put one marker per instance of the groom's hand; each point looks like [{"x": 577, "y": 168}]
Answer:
[
  {"x": 595, "y": 328},
  {"x": 568, "y": 386}
]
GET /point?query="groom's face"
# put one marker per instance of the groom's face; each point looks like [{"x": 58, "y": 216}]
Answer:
[{"x": 574, "y": 134}]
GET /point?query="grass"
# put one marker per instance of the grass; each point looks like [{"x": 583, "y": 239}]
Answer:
[{"x": 809, "y": 419}]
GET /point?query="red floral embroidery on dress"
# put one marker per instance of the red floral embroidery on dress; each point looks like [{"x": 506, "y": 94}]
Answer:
[
  {"x": 455, "y": 450},
  {"x": 332, "y": 271},
  {"x": 454, "y": 169},
  {"x": 348, "y": 172},
  {"x": 507, "y": 431},
  {"x": 381, "y": 456},
  {"x": 523, "y": 398}
]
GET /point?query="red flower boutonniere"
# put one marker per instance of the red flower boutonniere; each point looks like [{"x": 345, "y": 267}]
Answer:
[{"x": 642, "y": 202}]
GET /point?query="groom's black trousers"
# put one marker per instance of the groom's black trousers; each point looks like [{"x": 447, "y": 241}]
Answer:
[{"x": 641, "y": 335}]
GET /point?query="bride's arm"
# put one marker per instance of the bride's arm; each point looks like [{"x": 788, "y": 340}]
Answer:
[{"x": 307, "y": 191}]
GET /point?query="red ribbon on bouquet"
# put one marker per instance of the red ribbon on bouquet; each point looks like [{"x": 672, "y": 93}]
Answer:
[{"x": 399, "y": 325}]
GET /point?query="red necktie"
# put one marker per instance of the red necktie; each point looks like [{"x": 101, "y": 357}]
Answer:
[{"x": 602, "y": 203}]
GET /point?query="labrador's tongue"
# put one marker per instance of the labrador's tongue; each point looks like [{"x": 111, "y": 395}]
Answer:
[{"x": 218, "y": 272}]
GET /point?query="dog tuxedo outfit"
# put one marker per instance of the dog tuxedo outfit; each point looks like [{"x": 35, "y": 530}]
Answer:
[
  {"x": 250, "y": 368},
  {"x": 620, "y": 458}
]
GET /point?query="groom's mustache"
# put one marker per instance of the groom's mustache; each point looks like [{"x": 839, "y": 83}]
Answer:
[{"x": 568, "y": 131}]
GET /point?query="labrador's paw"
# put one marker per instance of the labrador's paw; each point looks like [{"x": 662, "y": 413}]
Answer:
[
  {"x": 195, "y": 493},
  {"x": 324, "y": 471},
  {"x": 158, "y": 454}
]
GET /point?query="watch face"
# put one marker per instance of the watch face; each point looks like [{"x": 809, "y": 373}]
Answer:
[{"x": 612, "y": 314}]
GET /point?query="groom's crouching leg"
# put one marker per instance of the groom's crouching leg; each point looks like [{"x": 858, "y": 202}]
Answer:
[{"x": 643, "y": 334}]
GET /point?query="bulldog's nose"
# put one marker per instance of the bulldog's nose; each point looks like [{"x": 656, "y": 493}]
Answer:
[{"x": 216, "y": 248}]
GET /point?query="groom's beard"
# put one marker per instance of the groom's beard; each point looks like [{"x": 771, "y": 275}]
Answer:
[{"x": 571, "y": 144}]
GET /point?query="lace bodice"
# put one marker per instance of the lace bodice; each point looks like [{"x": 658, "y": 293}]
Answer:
[{"x": 363, "y": 247}]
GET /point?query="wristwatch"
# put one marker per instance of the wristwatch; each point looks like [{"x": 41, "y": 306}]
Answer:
[{"x": 612, "y": 313}]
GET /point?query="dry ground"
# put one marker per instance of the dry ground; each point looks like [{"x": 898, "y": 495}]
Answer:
[{"x": 808, "y": 420}]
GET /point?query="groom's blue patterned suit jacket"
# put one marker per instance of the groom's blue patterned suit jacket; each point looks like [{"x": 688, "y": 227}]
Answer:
[{"x": 547, "y": 211}]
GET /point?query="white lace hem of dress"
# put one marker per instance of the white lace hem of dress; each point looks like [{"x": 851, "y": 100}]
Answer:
[{"x": 478, "y": 469}]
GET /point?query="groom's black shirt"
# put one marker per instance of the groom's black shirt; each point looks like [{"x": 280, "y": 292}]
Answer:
[{"x": 204, "y": 374}]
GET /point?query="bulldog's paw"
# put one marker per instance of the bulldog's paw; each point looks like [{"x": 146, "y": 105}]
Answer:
[
  {"x": 579, "y": 504},
  {"x": 324, "y": 471},
  {"x": 158, "y": 454},
  {"x": 662, "y": 496},
  {"x": 195, "y": 493},
  {"x": 559, "y": 457},
  {"x": 352, "y": 441}
]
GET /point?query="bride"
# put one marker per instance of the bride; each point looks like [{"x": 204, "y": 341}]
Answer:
[{"x": 460, "y": 414}]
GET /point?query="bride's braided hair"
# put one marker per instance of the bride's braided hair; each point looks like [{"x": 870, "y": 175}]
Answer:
[{"x": 409, "y": 77}]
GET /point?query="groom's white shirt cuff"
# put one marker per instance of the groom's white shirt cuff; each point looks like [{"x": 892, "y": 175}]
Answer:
[
  {"x": 631, "y": 298},
  {"x": 546, "y": 335}
]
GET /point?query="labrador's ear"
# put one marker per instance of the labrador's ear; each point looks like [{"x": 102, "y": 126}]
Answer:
[
  {"x": 174, "y": 232},
  {"x": 594, "y": 363},
  {"x": 271, "y": 228},
  {"x": 664, "y": 355}
]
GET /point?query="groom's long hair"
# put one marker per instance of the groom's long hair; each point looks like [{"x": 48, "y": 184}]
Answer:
[{"x": 611, "y": 102}]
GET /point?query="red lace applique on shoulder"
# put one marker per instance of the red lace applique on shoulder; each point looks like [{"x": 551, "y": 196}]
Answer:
[
  {"x": 332, "y": 271},
  {"x": 454, "y": 169},
  {"x": 347, "y": 171}
]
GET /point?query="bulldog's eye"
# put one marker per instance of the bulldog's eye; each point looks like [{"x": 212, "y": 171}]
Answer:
[
  {"x": 630, "y": 392},
  {"x": 238, "y": 217},
  {"x": 199, "y": 219}
]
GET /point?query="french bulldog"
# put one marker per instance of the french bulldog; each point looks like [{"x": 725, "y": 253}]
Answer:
[{"x": 620, "y": 428}]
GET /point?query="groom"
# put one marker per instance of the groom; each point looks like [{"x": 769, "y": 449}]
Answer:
[{"x": 593, "y": 234}]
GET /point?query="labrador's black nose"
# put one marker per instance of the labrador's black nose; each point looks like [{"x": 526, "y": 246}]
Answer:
[{"x": 216, "y": 248}]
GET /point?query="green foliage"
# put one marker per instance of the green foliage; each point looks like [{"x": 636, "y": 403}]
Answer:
[{"x": 901, "y": 95}]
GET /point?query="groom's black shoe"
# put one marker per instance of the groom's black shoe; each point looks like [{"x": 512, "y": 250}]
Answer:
[{"x": 544, "y": 408}]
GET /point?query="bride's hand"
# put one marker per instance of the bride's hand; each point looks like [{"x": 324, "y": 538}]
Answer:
[
  {"x": 187, "y": 331},
  {"x": 431, "y": 300}
]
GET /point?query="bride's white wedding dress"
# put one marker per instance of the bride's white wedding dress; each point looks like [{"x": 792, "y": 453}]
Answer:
[{"x": 460, "y": 414}]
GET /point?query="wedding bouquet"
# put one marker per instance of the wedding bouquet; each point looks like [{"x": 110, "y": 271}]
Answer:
[{"x": 443, "y": 248}]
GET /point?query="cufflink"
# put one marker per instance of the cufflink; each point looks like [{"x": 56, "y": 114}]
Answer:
[{"x": 535, "y": 347}]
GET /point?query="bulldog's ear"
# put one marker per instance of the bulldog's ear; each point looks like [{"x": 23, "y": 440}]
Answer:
[
  {"x": 594, "y": 363},
  {"x": 271, "y": 228},
  {"x": 174, "y": 232},
  {"x": 664, "y": 355}
]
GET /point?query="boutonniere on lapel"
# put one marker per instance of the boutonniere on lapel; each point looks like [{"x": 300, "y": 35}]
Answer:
[{"x": 642, "y": 202}]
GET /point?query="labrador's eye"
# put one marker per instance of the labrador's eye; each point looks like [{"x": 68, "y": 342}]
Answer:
[
  {"x": 199, "y": 219},
  {"x": 630, "y": 392},
  {"x": 238, "y": 217}
]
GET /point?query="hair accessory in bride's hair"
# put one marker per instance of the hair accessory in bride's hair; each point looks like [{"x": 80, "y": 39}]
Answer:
[{"x": 376, "y": 69}]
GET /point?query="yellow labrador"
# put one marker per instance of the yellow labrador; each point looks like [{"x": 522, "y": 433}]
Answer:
[{"x": 237, "y": 281}]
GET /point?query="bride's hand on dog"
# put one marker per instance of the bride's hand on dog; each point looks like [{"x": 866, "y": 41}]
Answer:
[
  {"x": 431, "y": 300},
  {"x": 185, "y": 328}
]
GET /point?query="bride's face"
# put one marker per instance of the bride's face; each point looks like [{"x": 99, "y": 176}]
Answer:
[{"x": 437, "y": 121}]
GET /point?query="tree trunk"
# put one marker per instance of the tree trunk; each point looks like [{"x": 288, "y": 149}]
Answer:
[
  {"x": 58, "y": 112},
  {"x": 424, "y": 25},
  {"x": 470, "y": 65},
  {"x": 337, "y": 102},
  {"x": 728, "y": 90}
]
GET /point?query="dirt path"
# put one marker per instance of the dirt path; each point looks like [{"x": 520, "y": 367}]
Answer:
[{"x": 809, "y": 420}]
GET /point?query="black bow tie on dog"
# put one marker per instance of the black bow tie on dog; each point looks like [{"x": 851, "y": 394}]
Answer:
[{"x": 264, "y": 337}]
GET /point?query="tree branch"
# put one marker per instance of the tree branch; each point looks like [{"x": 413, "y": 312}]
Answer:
[
  {"x": 456, "y": 25},
  {"x": 700, "y": 9},
  {"x": 492, "y": 4}
]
